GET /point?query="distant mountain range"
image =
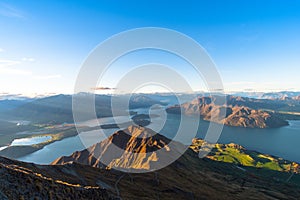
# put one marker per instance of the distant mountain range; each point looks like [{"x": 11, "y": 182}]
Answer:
[
  {"x": 159, "y": 95},
  {"x": 266, "y": 95},
  {"x": 58, "y": 109},
  {"x": 281, "y": 95}
]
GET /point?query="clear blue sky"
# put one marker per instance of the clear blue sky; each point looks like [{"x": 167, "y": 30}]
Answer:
[{"x": 255, "y": 44}]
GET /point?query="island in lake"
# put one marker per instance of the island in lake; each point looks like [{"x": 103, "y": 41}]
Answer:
[{"x": 228, "y": 114}]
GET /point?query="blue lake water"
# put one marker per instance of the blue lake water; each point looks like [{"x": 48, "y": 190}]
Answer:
[
  {"x": 282, "y": 142},
  {"x": 65, "y": 147},
  {"x": 30, "y": 141},
  {"x": 27, "y": 141}
]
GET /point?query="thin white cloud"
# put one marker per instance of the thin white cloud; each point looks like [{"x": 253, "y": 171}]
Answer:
[
  {"x": 240, "y": 83},
  {"x": 7, "y": 63},
  {"x": 103, "y": 88},
  {"x": 48, "y": 77},
  {"x": 1, "y": 50},
  {"x": 9, "y": 67},
  {"x": 6, "y": 67},
  {"x": 7, "y": 95},
  {"x": 28, "y": 59},
  {"x": 14, "y": 71},
  {"x": 10, "y": 11}
]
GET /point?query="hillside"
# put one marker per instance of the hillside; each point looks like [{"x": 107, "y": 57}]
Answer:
[
  {"x": 55, "y": 109},
  {"x": 20, "y": 180},
  {"x": 187, "y": 178},
  {"x": 237, "y": 154}
]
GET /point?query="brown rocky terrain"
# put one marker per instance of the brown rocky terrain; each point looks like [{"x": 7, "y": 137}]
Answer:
[
  {"x": 234, "y": 113},
  {"x": 20, "y": 180}
]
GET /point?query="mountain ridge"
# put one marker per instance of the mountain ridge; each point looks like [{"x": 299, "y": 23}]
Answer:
[
  {"x": 133, "y": 148},
  {"x": 233, "y": 113}
]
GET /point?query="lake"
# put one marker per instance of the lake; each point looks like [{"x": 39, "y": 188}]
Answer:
[{"x": 282, "y": 142}]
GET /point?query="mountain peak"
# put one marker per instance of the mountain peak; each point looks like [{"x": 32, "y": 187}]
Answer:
[
  {"x": 138, "y": 131},
  {"x": 137, "y": 139},
  {"x": 134, "y": 148}
]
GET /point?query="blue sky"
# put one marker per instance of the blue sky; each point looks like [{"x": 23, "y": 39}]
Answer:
[{"x": 255, "y": 44}]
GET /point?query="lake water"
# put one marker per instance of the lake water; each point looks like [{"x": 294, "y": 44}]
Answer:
[
  {"x": 282, "y": 142},
  {"x": 30, "y": 141},
  {"x": 66, "y": 147},
  {"x": 27, "y": 141}
]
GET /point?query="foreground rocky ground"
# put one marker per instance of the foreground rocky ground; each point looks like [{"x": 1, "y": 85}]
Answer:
[{"x": 187, "y": 178}]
